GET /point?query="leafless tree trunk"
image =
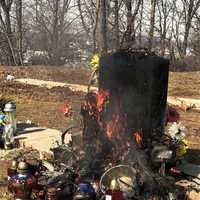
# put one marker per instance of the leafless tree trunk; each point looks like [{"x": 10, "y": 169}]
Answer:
[
  {"x": 171, "y": 43},
  {"x": 86, "y": 28},
  {"x": 6, "y": 6},
  {"x": 102, "y": 36},
  {"x": 164, "y": 10},
  {"x": 36, "y": 10},
  {"x": 116, "y": 25},
  {"x": 128, "y": 38},
  {"x": 190, "y": 8},
  {"x": 141, "y": 21},
  {"x": 94, "y": 33},
  {"x": 152, "y": 24},
  {"x": 96, "y": 25},
  {"x": 177, "y": 17},
  {"x": 19, "y": 31},
  {"x": 55, "y": 52},
  {"x": 129, "y": 35}
]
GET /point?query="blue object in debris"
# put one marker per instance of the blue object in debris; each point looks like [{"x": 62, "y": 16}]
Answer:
[
  {"x": 2, "y": 119},
  {"x": 86, "y": 188}
]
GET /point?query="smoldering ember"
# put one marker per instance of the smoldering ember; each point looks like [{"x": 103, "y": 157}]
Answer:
[{"x": 124, "y": 148}]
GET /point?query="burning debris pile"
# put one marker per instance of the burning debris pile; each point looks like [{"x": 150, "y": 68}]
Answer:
[
  {"x": 121, "y": 150},
  {"x": 131, "y": 103},
  {"x": 124, "y": 119}
]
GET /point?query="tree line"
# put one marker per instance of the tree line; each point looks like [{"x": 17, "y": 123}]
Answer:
[{"x": 65, "y": 30}]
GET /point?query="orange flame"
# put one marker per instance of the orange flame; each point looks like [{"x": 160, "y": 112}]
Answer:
[
  {"x": 113, "y": 126},
  {"x": 138, "y": 137},
  {"x": 109, "y": 131},
  {"x": 101, "y": 99}
]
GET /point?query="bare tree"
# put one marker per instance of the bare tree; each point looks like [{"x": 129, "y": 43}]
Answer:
[
  {"x": 152, "y": 24},
  {"x": 129, "y": 35},
  {"x": 104, "y": 24},
  {"x": 116, "y": 24},
  {"x": 141, "y": 23},
  {"x": 89, "y": 15},
  {"x": 128, "y": 38},
  {"x": 102, "y": 29},
  {"x": 19, "y": 35},
  {"x": 164, "y": 10},
  {"x": 190, "y": 9},
  {"x": 195, "y": 41},
  {"x": 54, "y": 20},
  {"x": 7, "y": 29},
  {"x": 55, "y": 43}
]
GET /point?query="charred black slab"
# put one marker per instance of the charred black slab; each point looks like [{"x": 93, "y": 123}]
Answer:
[{"x": 138, "y": 84}]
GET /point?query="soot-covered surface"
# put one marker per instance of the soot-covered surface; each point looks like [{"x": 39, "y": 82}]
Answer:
[{"x": 137, "y": 82}]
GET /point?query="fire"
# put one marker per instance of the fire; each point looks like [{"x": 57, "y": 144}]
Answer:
[
  {"x": 113, "y": 126},
  {"x": 109, "y": 131},
  {"x": 101, "y": 98},
  {"x": 138, "y": 137}
]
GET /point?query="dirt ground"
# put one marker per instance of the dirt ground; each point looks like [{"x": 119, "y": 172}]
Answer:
[
  {"x": 42, "y": 106},
  {"x": 49, "y": 73}
]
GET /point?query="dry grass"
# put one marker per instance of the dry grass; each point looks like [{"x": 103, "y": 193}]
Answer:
[
  {"x": 184, "y": 84},
  {"x": 49, "y": 73},
  {"x": 4, "y": 194}
]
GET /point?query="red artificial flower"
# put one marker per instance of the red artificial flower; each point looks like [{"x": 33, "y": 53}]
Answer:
[
  {"x": 66, "y": 110},
  {"x": 172, "y": 115}
]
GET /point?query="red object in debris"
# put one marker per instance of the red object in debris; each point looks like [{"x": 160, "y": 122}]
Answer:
[
  {"x": 114, "y": 195},
  {"x": 175, "y": 171},
  {"x": 67, "y": 110},
  {"x": 172, "y": 115},
  {"x": 138, "y": 137}
]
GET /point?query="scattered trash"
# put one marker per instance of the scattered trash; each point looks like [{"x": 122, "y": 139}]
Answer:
[
  {"x": 9, "y": 77},
  {"x": 55, "y": 143},
  {"x": 28, "y": 121},
  {"x": 177, "y": 131}
]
